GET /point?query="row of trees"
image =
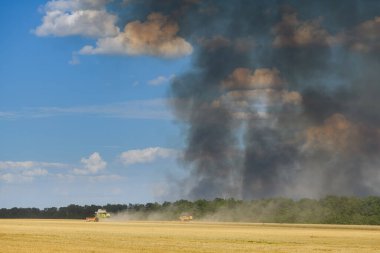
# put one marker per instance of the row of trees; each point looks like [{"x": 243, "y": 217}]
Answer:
[{"x": 328, "y": 210}]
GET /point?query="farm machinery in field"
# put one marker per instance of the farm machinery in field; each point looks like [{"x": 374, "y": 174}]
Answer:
[
  {"x": 92, "y": 219},
  {"x": 186, "y": 217},
  {"x": 100, "y": 214}
]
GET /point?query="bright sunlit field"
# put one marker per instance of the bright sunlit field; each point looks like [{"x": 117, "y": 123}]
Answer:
[{"x": 78, "y": 236}]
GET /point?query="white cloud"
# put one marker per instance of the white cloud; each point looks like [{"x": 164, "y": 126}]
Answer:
[
  {"x": 66, "y": 177},
  {"x": 77, "y": 17},
  {"x": 29, "y": 164},
  {"x": 94, "y": 163},
  {"x": 66, "y": 5},
  {"x": 92, "y": 169},
  {"x": 15, "y": 178},
  {"x": 35, "y": 172},
  {"x": 157, "y": 36},
  {"x": 89, "y": 178},
  {"x": 145, "y": 155},
  {"x": 159, "y": 80},
  {"x": 7, "y": 177},
  {"x": 25, "y": 171},
  {"x": 74, "y": 59},
  {"x": 105, "y": 178},
  {"x": 91, "y": 165},
  {"x": 7, "y": 114},
  {"x": 23, "y": 176},
  {"x": 137, "y": 109}
]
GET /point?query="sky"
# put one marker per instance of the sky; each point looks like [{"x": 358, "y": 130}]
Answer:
[
  {"x": 135, "y": 101},
  {"x": 67, "y": 119}
]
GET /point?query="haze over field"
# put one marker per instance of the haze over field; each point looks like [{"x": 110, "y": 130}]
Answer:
[{"x": 135, "y": 101}]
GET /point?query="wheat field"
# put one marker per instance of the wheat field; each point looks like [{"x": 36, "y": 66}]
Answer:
[{"x": 40, "y": 236}]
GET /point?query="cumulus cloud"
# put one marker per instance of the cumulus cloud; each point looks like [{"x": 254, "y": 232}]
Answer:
[
  {"x": 292, "y": 32},
  {"x": 77, "y": 17},
  {"x": 91, "y": 165},
  {"x": 156, "y": 36},
  {"x": 159, "y": 80},
  {"x": 145, "y": 155}
]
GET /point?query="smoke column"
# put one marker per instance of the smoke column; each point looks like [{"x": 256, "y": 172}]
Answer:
[{"x": 282, "y": 98}]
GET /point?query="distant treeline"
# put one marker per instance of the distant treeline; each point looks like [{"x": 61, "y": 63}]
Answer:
[{"x": 328, "y": 210}]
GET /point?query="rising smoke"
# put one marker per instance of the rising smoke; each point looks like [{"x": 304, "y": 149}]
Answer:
[{"x": 282, "y": 97}]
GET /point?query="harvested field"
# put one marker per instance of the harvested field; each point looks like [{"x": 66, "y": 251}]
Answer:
[{"x": 79, "y": 236}]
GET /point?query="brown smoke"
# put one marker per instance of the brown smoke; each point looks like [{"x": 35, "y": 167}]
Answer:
[{"x": 280, "y": 101}]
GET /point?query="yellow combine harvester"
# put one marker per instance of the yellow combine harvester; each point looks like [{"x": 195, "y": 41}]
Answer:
[
  {"x": 186, "y": 217},
  {"x": 100, "y": 214}
]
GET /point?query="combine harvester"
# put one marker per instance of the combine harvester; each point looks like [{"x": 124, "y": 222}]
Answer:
[
  {"x": 100, "y": 214},
  {"x": 186, "y": 217}
]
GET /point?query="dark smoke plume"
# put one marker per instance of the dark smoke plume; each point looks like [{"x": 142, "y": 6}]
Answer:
[{"x": 282, "y": 98}]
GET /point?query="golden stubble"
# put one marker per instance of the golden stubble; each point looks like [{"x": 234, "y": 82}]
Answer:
[{"x": 78, "y": 236}]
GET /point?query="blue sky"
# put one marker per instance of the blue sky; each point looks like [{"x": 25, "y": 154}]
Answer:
[{"x": 66, "y": 118}]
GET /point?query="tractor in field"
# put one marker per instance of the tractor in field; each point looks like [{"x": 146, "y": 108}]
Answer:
[
  {"x": 100, "y": 214},
  {"x": 186, "y": 217}
]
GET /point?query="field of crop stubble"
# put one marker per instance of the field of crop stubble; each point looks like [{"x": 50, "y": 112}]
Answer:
[{"x": 78, "y": 236}]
